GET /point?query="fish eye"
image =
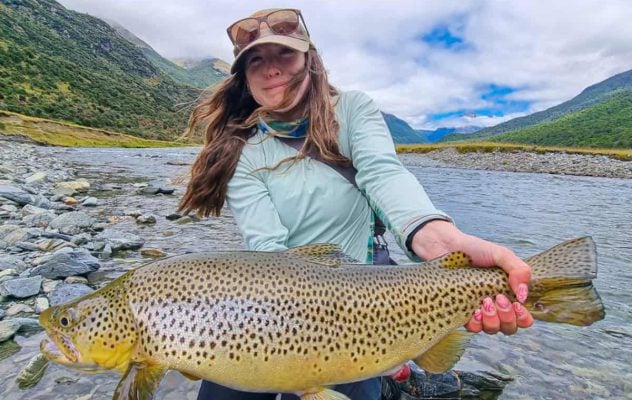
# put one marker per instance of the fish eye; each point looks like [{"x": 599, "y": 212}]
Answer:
[{"x": 64, "y": 321}]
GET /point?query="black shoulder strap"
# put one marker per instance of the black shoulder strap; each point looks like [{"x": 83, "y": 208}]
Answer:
[{"x": 349, "y": 173}]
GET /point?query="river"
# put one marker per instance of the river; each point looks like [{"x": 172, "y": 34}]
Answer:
[{"x": 526, "y": 212}]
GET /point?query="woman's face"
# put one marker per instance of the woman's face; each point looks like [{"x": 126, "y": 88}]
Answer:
[{"x": 269, "y": 68}]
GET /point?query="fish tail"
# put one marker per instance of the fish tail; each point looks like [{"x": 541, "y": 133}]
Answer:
[{"x": 561, "y": 284}]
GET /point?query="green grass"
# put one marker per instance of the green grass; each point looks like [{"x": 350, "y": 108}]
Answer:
[
  {"x": 57, "y": 133},
  {"x": 490, "y": 147}
]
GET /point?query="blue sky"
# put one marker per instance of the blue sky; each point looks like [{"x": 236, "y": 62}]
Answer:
[{"x": 433, "y": 63}]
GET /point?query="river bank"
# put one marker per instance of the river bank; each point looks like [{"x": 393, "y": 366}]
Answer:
[{"x": 523, "y": 161}]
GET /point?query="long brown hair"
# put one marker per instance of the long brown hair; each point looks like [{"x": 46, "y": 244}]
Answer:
[{"x": 230, "y": 116}]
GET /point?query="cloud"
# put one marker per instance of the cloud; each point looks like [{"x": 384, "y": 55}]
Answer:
[{"x": 418, "y": 59}]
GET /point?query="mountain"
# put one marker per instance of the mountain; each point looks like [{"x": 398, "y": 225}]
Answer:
[
  {"x": 401, "y": 132},
  {"x": 589, "y": 97},
  {"x": 606, "y": 124},
  {"x": 200, "y": 74},
  {"x": 59, "y": 64}
]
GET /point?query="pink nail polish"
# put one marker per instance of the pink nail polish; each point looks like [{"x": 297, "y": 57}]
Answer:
[
  {"x": 478, "y": 315},
  {"x": 502, "y": 301},
  {"x": 488, "y": 305},
  {"x": 523, "y": 292},
  {"x": 518, "y": 308}
]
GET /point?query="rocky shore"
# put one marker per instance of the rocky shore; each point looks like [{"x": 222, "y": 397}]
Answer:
[{"x": 520, "y": 161}]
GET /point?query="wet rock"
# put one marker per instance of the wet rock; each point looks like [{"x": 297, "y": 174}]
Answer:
[
  {"x": 22, "y": 288},
  {"x": 90, "y": 202},
  {"x": 32, "y": 210},
  {"x": 26, "y": 246},
  {"x": 38, "y": 220},
  {"x": 9, "y": 208},
  {"x": 12, "y": 262},
  {"x": 37, "y": 177},
  {"x": 146, "y": 219},
  {"x": 64, "y": 293},
  {"x": 81, "y": 238},
  {"x": 48, "y": 285},
  {"x": 7, "y": 274},
  {"x": 69, "y": 188},
  {"x": 10, "y": 327},
  {"x": 41, "y": 304},
  {"x": 121, "y": 240},
  {"x": 152, "y": 252},
  {"x": 22, "y": 197},
  {"x": 8, "y": 348},
  {"x": 76, "y": 279},
  {"x": 17, "y": 235},
  {"x": 56, "y": 235},
  {"x": 16, "y": 309},
  {"x": 72, "y": 223},
  {"x": 63, "y": 264},
  {"x": 69, "y": 201},
  {"x": 173, "y": 216},
  {"x": 53, "y": 244},
  {"x": 133, "y": 213},
  {"x": 186, "y": 219}
]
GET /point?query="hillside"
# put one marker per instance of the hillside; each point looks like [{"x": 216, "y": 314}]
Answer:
[
  {"x": 607, "y": 124},
  {"x": 59, "y": 64},
  {"x": 589, "y": 97},
  {"x": 201, "y": 75},
  {"x": 401, "y": 132}
]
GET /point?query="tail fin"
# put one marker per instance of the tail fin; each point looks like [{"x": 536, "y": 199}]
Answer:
[{"x": 561, "y": 284}]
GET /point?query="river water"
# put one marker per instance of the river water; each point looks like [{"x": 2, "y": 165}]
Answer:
[{"x": 526, "y": 212}]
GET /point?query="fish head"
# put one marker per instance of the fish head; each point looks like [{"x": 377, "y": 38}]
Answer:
[{"x": 88, "y": 334}]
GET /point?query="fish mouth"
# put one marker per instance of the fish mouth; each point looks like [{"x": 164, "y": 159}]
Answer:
[{"x": 66, "y": 354}]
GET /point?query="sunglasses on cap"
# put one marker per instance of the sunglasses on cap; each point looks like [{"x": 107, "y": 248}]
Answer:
[{"x": 281, "y": 22}]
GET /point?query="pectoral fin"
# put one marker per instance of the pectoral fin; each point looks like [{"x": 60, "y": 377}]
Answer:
[
  {"x": 323, "y": 394},
  {"x": 139, "y": 382},
  {"x": 443, "y": 355},
  {"x": 189, "y": 376}
]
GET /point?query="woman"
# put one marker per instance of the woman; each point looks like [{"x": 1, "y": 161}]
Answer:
[{"x": 280, "y": 197}]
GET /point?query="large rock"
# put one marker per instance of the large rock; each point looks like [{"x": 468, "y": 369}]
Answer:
[
  {"x": 22, "y": 288},
  {"x": 22, "y": 197},
  {"x": 10, "y": 327},
  {"x": 67, "y": 263},
  {"x": 72, "y": 223},
  {"x": 36, "y": 177},
  {"x": 12, "y": 262},
  {"x": 71, "y": 187},
  {"x": 121, "y": 240},
  {"x": 64, "y": 293}
]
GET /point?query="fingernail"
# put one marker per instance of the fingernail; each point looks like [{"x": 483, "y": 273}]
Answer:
[
  {"x": 478, "y": 315},
  {"x": 502, "y": 301},
  {"x": 488, "y": 305},
  {"x": 523, "y": 291},
  {"x": 518, "y": 308}
]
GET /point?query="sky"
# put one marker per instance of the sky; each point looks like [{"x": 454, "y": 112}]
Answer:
[{"x": 433, "y": 63}]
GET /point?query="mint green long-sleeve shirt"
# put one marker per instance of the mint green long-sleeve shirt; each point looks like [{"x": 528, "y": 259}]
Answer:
[{"x": 309, "y": 202}]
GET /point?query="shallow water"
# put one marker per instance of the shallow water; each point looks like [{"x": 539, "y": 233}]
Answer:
[{"x": 527, "y": 212}]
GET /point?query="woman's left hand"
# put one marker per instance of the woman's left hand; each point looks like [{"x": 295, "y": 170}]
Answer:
[{"x": 437, "y": 238}]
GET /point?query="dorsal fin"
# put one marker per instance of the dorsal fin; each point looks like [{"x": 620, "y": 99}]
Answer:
[
  {"x": 456, "y": 259},
  {"x": 443, "y": 355},
  {"x": 327, "y": 254}
]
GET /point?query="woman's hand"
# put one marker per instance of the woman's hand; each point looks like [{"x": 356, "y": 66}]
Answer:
[{"x": 437, "y": 238}]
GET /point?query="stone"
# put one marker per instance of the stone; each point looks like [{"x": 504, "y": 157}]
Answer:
[
  {"x": 64, "y": 264},
  {"x": 121, "y": 241},
  {"x": 10, "y": 327},
  {"x": 76, "y": 279},
  {"x": 36, "y": 177},
  {"x": 69, "y": 188},
  {"x": 38, "y": 220},
  {"x": 69, "y": 201},
  {"x": 72, "y": 223},
  {"x": 32, "y": 210},
  {"x": 8, "y": 273},
  {"x": 22, "y": 197},
  {"x": 64, "y": 293},
  {"x": 146, "y": 219},
  {"x": 18, "y": 308},
  {"x": 22, "y": 288},
  {"x": 12, "y": 262},
  {"x": 17, "y": 235},
  {"x": 187, "y": 219},
  {"x": 9, "y": 208},
  {"x": 90, "y": 202},
  {"x": 81, "y": 238},
  {"x": 48, "y": 285},
  {"x": 53, "y": 244},
  {"x": 173, "y": 216},
  {"x": 26, "y": 246},
  {"x": 41, "y": 304},
  {"x": 152, "y": 252},
  {"x": 133, "y": 213}
]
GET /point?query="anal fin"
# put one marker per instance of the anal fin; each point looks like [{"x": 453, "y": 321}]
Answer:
[{"x": 443, "y": 355}]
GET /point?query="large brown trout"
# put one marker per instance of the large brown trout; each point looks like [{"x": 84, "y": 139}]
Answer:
[{"x": 298, "y": 321}]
